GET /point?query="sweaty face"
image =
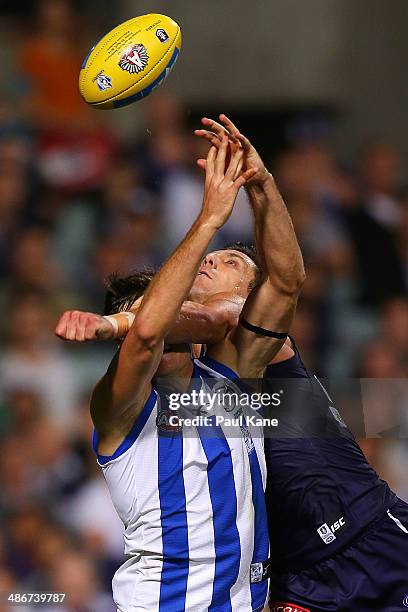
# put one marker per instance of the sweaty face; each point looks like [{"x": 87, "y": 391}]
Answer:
[{"x": 223, "y": 271}]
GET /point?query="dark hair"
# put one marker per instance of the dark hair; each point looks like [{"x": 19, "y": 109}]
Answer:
[
  {"x": 123, "y": 291},
  {"x": 250, "y": 251}
]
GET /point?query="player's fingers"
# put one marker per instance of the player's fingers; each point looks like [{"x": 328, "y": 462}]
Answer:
[
  {"x": 82, "y": 323},
  {"x": 215, "y": 140},
  {"x": 221, "y": 157},
  {"x": 245, "y": 177},
  {"x": 211, "y": 158},
  {"x": 229, "y": 126},
  {"x": 236, "y": 159},
  {"x": 210, "y": 165},
  {"x": 210, "y": 136},
  {"x": 246, "y": 145},
  {"x": 72, "y": 325},
  {"x": 201, "y": 164},
  {"x": 61, "y": 327},
  {"x": 213, "y": 126},
  {"x": 217, "y": 128},
  {"x": 239, "y": 168}
]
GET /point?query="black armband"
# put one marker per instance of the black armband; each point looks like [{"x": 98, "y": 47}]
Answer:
[{"x": 263, "y": 332}]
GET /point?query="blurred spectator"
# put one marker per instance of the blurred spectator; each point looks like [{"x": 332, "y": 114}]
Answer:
[
  {"x": 394, "y": 328},
  {"x": 380, "y": 174},
  {"x": 32, "y": 360},
  {"x": 387, "y": 355},
  {"x": 372, "y": 226},
  {"x": 50, "y": 59},
  {"x": 76, "y": 575},
  {"x": 15, "y": 473},
  {"x": 32, "y": 265},
  {"x": 403, "y": 238},
  {"x": 316, "y": 192},
  {"x": 101, "y": 531},
  {"x": 74, "y": 148},
  {"x": 14, "y": 189}
]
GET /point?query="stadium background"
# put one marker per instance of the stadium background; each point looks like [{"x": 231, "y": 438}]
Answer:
[{"x": 319, "y": 87}]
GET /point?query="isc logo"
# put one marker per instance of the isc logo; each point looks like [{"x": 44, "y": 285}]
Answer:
[
  {"x": 338, "y": 524},
  {"x": 327, "y": 533}
]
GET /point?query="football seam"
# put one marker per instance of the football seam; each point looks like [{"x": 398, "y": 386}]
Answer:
[
  {"x": 90, "y": 63},
  {"x": 130, "y": 86},
  {"x": 84, "y": 71}
]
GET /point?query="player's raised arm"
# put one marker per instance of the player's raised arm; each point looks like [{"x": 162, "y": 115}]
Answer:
[
  {"x": 269, "y": 310},
  {"x": 120, "y": 395}
]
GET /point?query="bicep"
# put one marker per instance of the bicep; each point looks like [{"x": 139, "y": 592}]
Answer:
[{"x": 272, "y": 310}]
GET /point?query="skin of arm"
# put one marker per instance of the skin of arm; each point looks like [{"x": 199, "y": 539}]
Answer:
[
  {"x": 120, "y": 395},
  {"x": 272, "y": 304},
  {"x": 206, "y": 323},
  {"x": 283, "y": 265},
  {"x": 200, "y": 323}
]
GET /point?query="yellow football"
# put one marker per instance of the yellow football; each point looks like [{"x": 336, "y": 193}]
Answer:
[{"x": 129, "y": 62}]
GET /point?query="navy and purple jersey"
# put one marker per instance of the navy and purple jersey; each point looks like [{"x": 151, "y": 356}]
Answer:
[
  {"x": 321, "y": 491},
  {"x": 369, "y": 574}
]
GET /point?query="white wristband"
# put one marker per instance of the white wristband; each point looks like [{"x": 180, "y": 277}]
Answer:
[
  {"x": 114, "y": 323},
  {"x": 121, "y": 323}
]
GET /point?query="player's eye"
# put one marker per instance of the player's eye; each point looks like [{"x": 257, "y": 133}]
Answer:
[{"x": 232, "y": 262}]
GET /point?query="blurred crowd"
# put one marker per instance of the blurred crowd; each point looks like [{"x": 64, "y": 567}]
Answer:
[{"x": 77, "y": 202}]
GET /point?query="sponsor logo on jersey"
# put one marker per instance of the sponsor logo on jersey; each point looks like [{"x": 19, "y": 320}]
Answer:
[
  {"x": 135, "y": 59},
  {"x": 338, "y": 524},
  {"x": 405, "y": 601},
  {"x": 166, "y": 421},
  {"x": 327, "y": 533},
  {"x": 103, "y": 81},
  {"x": 249, "y": 443},
  {"x": 256, "y": 572},
  {"x": 162, "y": 35},
  {"x": 259, "y": 571},
  {"x": 284, "y": 606}
]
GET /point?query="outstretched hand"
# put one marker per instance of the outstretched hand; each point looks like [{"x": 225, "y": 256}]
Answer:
[
  {"x": 223, "y": 180},
  {"x": 215, "y": 132}
]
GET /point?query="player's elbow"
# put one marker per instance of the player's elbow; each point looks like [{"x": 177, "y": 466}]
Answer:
[
  {"x": 299, "y": 279},
  {"x": 293, "y": 287},
  {"x": 290, "y": 284},
  {"x": 146, "y": 336}
]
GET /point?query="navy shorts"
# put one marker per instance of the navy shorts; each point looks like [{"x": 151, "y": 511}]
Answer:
[{"x": 370, "y": 574}]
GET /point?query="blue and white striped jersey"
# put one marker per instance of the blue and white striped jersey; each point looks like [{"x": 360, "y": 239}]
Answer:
[{"x": 192, "y": 503}]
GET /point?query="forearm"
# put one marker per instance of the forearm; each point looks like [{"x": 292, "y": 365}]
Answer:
[
  {"x": 276, "y": 239},
  {"x": 198, "y": 323},
  {"x": 193, "y": 325},
  {"x": 169, "y": 288},
  {"x": 206, "y": 323}
]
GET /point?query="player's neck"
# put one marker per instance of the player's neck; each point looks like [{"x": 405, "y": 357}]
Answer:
[{"x": 177, "y": 378}]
